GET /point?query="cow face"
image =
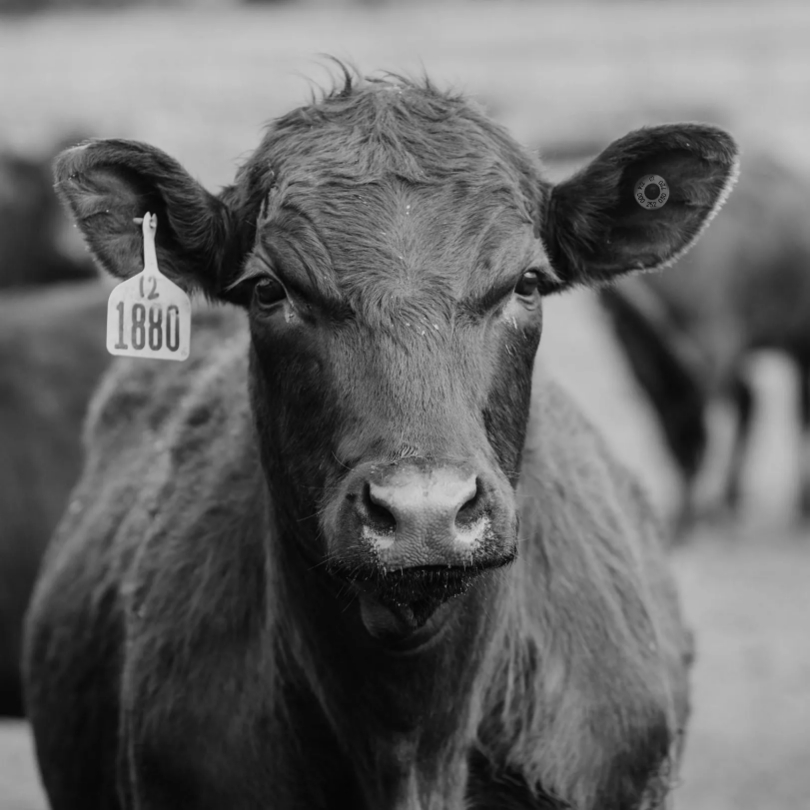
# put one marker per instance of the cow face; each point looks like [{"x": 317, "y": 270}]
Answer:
[{"x": 392, "y": 247}]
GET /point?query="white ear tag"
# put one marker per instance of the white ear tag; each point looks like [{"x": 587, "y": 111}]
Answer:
[{"x": 148, "y": 315}]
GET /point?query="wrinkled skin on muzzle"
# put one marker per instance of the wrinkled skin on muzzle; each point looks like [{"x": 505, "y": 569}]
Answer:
[{"x": 407, "y": 433}]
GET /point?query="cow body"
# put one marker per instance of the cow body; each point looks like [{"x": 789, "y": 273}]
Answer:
[
  {"x": 355, "y": 552},
  {"x": 268, "y": 679},
  {"x": 745, "y": 287}
]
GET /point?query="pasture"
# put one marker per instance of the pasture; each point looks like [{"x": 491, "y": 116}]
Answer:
[{"x": 200, "y": 83}]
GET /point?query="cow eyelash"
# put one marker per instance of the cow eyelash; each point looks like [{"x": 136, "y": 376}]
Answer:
[
  {"x": 258, "y": 282},
  {"x": 245, "y": 279}
]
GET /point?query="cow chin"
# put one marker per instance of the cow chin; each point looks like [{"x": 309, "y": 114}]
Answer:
[
  {"x": 407, "y": 608},
  {"x": 406, "y": 602}
]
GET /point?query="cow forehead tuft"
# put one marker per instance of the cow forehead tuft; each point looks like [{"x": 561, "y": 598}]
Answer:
[{"x": 370, "y": 129}]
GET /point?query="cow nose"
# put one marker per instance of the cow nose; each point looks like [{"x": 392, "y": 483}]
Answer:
[
  {"x": 421, "y": 516},
  {"x": 415, "y": 503}
]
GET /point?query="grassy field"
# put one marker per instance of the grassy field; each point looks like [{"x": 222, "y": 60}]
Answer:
[{"x": 201, "y": 85}]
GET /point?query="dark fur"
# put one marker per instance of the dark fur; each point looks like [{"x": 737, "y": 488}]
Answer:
[
  {"x": 191, "y": 641},
  {"x": 744, "y": 288}
]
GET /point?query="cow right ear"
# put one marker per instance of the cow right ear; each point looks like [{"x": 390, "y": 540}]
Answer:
[
  {"x": 108, "y": 184},
  {"x": 599, "y": 224}
]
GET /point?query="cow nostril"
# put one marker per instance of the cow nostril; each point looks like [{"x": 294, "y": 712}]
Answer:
[
  {"x": 374, "y": 514},
  {"x": 473, "y": 508}
]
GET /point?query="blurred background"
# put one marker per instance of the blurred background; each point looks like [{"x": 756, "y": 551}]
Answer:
[{"x": 200, "y": 80}]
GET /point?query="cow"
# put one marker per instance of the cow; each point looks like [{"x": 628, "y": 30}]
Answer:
[
  {"x": 745, "y": 288},
  {"x": 37, "y": 246},
  {"x": 355, "y": 552},
  {"x": 51, "y": 357}
]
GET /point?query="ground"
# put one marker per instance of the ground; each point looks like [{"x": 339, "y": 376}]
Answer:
[{"x": 201, "y": 84}]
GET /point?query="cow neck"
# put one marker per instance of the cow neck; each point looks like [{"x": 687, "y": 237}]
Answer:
[{"x": 406, "y": 719}]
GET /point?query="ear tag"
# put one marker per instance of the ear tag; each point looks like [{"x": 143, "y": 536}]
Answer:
[
  {"x": 148, "y": 315},
  {"x": 651, "y": 191}
]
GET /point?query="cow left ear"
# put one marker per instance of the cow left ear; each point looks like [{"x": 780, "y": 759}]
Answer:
[
  {"x": 608, "y": 219},
  {"x": 109, "y": 184}
]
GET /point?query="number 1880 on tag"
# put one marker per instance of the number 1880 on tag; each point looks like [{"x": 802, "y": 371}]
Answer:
[{"x": 149, "y": 316}]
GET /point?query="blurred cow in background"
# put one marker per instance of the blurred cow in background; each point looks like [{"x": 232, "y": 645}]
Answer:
[
  {"x": 38, "y": 244},
  {"x": 52, "y": 352},
  {"x": 52, "y": 313},
  {"x": 688, "y": 335}
]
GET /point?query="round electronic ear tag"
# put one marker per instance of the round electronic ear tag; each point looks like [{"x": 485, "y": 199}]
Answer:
[
  {"x": 651, "y": 191},
  {"x": 148, "y": 315}
]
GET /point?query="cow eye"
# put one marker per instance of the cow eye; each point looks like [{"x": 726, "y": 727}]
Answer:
[
  {"x": 529, "y": 283},
  {"x": 269, "y": 291}
]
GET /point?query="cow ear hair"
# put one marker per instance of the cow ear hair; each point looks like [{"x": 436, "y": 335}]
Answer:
[
  {"x": 595, "y": 229},
  {"x": 108, "y": 184}
]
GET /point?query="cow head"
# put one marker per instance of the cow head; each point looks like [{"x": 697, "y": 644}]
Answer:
[{"x": 392, "y": 247}]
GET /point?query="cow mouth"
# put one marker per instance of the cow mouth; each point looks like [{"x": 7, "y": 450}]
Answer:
[
  {"x": 401, "y": 628},
  {"x": 404, "y": 608}
]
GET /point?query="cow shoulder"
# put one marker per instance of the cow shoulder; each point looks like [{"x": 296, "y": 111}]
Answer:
[
  {"x": 136, "y": 426},
  {"x": 603, "y": 646},
  {"x": 163, "y": 439},
  {"x": 153, "y": 553},
  {"x": 193, "y": 591},
  {"x": 145, "y": 395}
]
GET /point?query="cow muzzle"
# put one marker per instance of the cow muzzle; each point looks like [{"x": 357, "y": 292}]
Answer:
[{"x": 413, "y": 534}]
